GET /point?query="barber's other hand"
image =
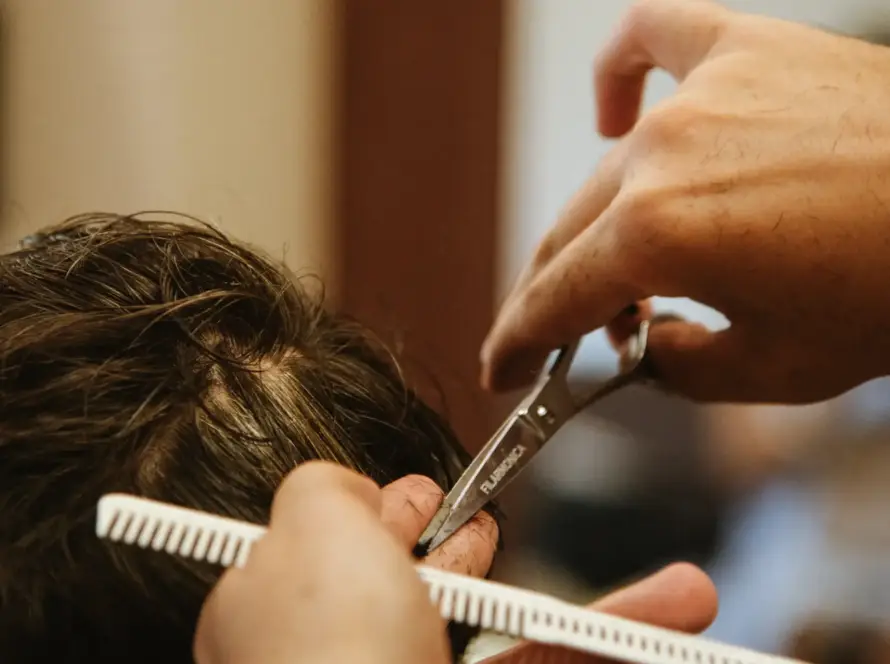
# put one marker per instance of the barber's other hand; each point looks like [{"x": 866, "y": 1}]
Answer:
[
  {"x": 328, "y": 583},
  {"x": 679, "y": 597},
  {"x": 761, "y": 188}
]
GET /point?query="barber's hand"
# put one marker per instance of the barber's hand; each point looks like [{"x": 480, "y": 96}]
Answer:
[
  {"x": 761, "y": 188},
  {"x": 409, "y": 504},
  {"x": 327, "y": 583},
  {"x": 679, "y": 597}
]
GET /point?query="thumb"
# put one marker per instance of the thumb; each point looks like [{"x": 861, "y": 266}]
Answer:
[
  {"x": 702, "y": 365},
  {"x": 317, "y": 483},
  {"x": 680, "y": 597}
]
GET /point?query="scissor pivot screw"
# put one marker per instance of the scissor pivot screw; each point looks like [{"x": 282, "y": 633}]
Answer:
[{"x": 544, "y": 414}]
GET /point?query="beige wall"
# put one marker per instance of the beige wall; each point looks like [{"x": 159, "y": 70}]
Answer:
[{"x": 218, "y": 108}]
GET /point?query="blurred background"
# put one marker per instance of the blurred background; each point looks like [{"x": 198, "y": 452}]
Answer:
[{"x": 412, "y": 154}]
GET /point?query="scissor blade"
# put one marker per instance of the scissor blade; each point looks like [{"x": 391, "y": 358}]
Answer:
[
  {"x": 498, "y": 464},
  {"x": 534, "y": 421}
]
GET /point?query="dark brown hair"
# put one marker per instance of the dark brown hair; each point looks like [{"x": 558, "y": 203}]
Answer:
[{"x": 157, "y": 357}]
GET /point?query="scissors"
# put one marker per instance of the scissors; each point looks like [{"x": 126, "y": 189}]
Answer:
[{"x": 537, "y": 418}]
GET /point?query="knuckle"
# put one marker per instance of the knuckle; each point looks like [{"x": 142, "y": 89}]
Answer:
[
  {"x": 667, "y": 125},
  {"x": 641, "y": 13},
  {"x": 290, "y": 488},
  {"x": 416, "y": 492},
  {"x": 644, "y": 210},
  {"x": 421, "y": 484},
  {"x": 643, "y": 213},
  {"x": 311, "y": 473},
  {"x": 312, "y": 477},
  {"x": 544, "y": 252}
]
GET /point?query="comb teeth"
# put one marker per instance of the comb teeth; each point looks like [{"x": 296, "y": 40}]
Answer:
[
  {"x": 474, "y": 602},
  {"x": 546, "y": 620},
  {"x": 483, "y": 604},
  {"x": 175, "y": 530}
]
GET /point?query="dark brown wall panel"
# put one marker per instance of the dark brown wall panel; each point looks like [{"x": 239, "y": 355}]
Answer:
[{"x": 419, "y": 186}]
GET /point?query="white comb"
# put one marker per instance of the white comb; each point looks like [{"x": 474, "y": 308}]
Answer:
[{"x": 475, "y": 602}]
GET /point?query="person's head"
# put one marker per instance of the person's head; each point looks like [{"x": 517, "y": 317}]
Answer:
[{"x": 159, "y": 358}]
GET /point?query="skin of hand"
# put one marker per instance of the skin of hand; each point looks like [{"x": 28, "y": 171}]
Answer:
[
  {"x": 295, "y": 600},
  {"x": 409, "y": 504},
  {"x": 679, "y": 597},
  {"x": 760, "y": 188},
  {"x": 327, "y": 583}
]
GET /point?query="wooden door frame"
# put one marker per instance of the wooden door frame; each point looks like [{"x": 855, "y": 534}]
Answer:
[{"x": 418, "y": 188}]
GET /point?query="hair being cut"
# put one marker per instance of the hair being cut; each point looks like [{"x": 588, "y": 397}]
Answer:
[{"x": 157, "y": 357}]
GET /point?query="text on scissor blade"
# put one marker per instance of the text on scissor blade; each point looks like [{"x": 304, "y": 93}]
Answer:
[{"x": 502, "y": 469}]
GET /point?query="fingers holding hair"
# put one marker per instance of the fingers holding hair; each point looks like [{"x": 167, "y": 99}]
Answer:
[
  {"x": 410, "y": 503},
  {"x": 405, "y": 507}
]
